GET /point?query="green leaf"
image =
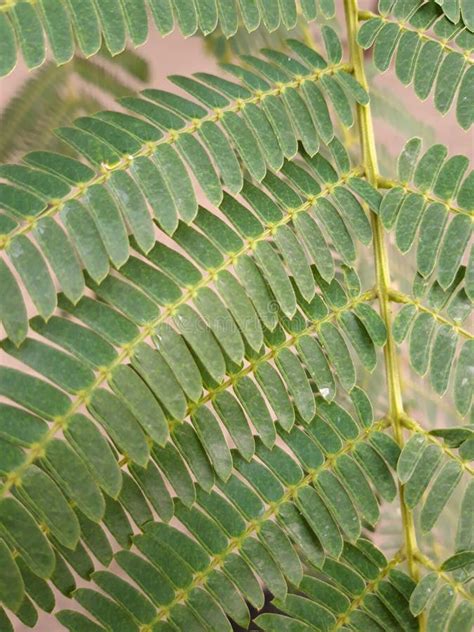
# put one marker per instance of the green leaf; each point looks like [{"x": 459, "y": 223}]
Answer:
[
  {"x": 173, "y": 172},
  {"x": 177, "y": 355},
  {"x": 317, "y": 106},
  {"x": 243, "y": 140},
  {"x": 126, "y": 595},
  {"x": 358, "y": 487},
  {"x": 86, "y": 25},
  {"x": 310, "y": 612},
  {"x": 459, "y": 560},
  {"x": 113, "y": 24},
  {"x": 138, "y": 398},
  {"x": 359, "y": 338},
  {"x": 36, "y": 395},
  {"x": 317, "y": 365},
  {"x": 241, "y": 309},
  {"x": 47, "y": 501},
  {"x": 390, "y": 206},
  {"x": 213, "y": 440},
  {"x": 420, "y": 342},
  {"x": 262, "y": 562},
  {"x": 408, "y": 159},
  {"x": 354, "y": 214},
  {"x": 86, "y": 238},
  {"x": 155, "y": 190},
  {"x": 19, "y": 528},
  {"x": 64, "y": 370},
  {"x": 120, "y": 424},
  {"x": 441, "y": 491},
  {"x": 441, "y": 608},
  {"x": 169, "y": 461},
  {"x": 29, "y": 34},
  {"x": 154, "y": 370},
  {"x": 221, "y": 323},
  {"x": 276, "y": 277},
  {"x": 340, "y": 502},
  {"x": 332, "y": 44},
  {"x": 12, "y": 308},
  {"x": 279, "y": 546},
  {"x": 442, "y": 356},
  {"x": 151, "y": 581},
  {"x": 199, "y": 162},
  {"x": 368, "y": 32},
  {"x": 154, "y": 489},
  {"x": 407, "y": 53},
  {"x": 104, "y": 609},
  {"x": 432, "y": 228},
  {"x": 133, "y": 207},
  {"x": 325, "y": 594},
  {"x": 32, "y": 269},
  {"x": 410, "y": 456},
  {"x": 338, "y": 354},
  {"x": 72, "y": 475},
  {"x": 8, "y": 47},
  {"x": 254, "y": 405},
  {"x": 320, "y": 519},
  {"x": 409, "y": 217},
  {"x": 58, "y": 28},
  {"x": 223, "y": 155},
  {"x": 195, "y": 457},
  {"x": 242, "y": 576},
  {"x": 462, "y": 384},
  {"x": 385, "y": 45},
  {"x": 12, "y": 588},
  {"x": 377, "y": 471},
  {"x": 95, "y": 539},
  {"x": 109, "y": 223},
  {"x": 201, "y": 340},
  {"x": 373, "y": 323},
  {"x": 281, "y": 124},
  {"x": 277, "y": 395},
  {"x": 463, "y": 112},
  {"x": 422, "y": 474},
  {"x": 234, "y": 420},
  {"x": 296, "y": 261},
  {"x": 61, "y": 257},
  {"x": 337, "y": 230},
  {"x": 454, "y": 243},
  {"x": 310, "y": 234},
  {"x": 298, "y": 384},
  {"x": 422, "y": 594},
  {"x": 461, "y": 619},
  {"x": 448, "y": 78}
]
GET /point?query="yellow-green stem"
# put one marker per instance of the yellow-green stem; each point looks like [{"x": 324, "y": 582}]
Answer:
[{"x": 369, "y": 159}]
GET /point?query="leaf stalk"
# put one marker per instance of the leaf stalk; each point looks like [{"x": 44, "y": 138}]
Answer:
[{"x": 382, "y": 271}]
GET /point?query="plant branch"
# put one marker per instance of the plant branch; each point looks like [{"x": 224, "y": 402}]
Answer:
[
  {"x": 414, "y": 426},
  {"x": 400, "y": 297},
  {"x": 371, "y": 587},
  {"x": 387, "y": 183},
  {"x": 369, "y": 156},
  {"x": 368, "y": 15},
  {"x": 458, "y": 587},
  {"x": 291, "y": 493},
  {"x": 313, "y": 327},
  {"x": 149, "y": 148},
  {"x": 60, "y": 423}
]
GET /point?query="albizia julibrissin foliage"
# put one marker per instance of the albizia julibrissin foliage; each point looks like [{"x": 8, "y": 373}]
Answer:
[{"x": 206, "y": 406}]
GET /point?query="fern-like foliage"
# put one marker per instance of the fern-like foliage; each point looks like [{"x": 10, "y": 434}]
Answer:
[
  {"x": 193, "y": 414},
  {"x": 26, "y": 25},
  {"x": 431, "y": 51}
]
